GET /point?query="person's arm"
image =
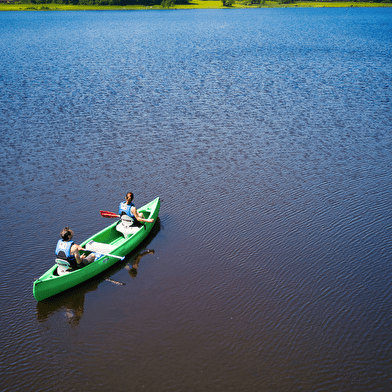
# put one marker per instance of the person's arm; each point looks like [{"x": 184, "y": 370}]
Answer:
[
  {"x": 139, "y": 217},
  {"x": 75, "y": 251}
]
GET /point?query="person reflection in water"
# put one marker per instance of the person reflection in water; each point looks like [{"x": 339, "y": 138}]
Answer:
[
  {"x": 67, "y": 250},
  {"x": 135, "y": 265},
  {"x": 74, "y": 310}
]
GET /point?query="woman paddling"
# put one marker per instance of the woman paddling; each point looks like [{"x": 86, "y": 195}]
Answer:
[{"x": 128, "y": 213}]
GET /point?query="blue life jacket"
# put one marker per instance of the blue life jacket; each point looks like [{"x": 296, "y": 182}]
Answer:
[
  {"x": 63, "y": 251},
  {"x": 126, "y": 209}
]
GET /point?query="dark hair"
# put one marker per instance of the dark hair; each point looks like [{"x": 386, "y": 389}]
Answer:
[
  {"x": 130, "y": 194},
  {"x": 66, "y": 234}
]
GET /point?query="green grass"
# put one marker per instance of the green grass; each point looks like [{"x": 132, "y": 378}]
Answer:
[{"x": 194, "y": 4}]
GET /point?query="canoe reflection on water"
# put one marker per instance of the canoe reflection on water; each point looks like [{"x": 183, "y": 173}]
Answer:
[{"x": 72, "y": 302}]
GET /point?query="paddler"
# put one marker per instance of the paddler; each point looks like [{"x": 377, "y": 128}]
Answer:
[
  {"x": 128, "y": 213},
  {"x": 67, "y": 250}
]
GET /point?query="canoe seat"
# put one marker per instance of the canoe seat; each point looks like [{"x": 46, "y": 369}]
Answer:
[
  {"x": 126, "y": 230},
  {"x": 63, "y": 267},
  {"x": 99, "y": 247}
]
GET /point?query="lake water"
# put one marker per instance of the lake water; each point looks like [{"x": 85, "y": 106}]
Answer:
[{"x": 267, "y": 135}]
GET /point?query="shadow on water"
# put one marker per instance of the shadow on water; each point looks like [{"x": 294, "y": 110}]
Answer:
[
  {"x": 134, "y": 265},
  {"x": 73, "y": 300}
]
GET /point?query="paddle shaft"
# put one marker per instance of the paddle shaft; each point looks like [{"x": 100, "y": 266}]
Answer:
[
  {"x": 105, "y": 254},
  {"x": 108, "y": 214}
]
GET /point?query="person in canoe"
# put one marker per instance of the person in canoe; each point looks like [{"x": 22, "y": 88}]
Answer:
[
  {"x": 67, "y": 250},
  {"x": 128, "y": 213}
]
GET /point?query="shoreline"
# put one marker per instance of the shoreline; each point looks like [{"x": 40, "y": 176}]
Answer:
[{"x": 194, "y": 4}]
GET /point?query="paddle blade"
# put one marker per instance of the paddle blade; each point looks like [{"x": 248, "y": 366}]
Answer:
[{"x": 108, "y": 214}]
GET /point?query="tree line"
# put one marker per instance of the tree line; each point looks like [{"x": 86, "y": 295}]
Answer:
[
  {"x": 163, "y": 3},
  {"x": 169, "y": 3}
]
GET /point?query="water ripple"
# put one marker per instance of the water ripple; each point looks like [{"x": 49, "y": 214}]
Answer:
[{"x": 271, "y": 154}]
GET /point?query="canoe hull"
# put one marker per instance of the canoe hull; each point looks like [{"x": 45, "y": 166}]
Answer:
[{"x": 50, "y": 283}]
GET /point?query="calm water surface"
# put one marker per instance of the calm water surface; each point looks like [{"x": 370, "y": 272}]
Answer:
[{"x": 267, "y": 134}]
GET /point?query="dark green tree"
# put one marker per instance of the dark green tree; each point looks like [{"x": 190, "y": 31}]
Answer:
[{"x": 168, "y": 3}]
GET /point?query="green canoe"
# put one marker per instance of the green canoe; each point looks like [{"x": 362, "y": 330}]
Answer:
[{"x": 110, "y": 242}]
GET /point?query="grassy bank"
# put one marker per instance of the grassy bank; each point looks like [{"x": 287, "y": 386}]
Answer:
[{"x": 194, "y": 4}]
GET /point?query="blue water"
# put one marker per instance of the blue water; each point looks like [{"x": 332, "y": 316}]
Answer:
[{"x": 267, "y": 135}]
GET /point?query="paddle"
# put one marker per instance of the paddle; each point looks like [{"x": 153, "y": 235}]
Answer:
[
  {"x": 108, "y": 214},
  {"x": 108, "y": 254},
  {"x": 105, "y": 254}
]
